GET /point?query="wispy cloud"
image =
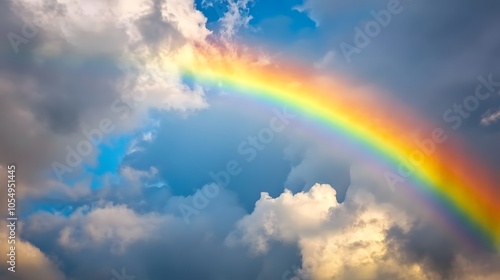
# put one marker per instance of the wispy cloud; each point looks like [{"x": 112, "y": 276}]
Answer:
[{"x": 490, "y": 117}]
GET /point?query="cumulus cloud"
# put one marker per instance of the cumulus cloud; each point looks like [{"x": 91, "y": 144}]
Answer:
[
  {"x": 77, "y": 63},
  {"x": 101, "y": 236},
  {"x": 361, "y": 238},
  {"x": 284, "y": 218},
  {"x": 188, "y": 20},
  {"x": 438, "y": 256},
  {"x": 91, "y": 60},
  {"x": 115, "y": 226},
  {"x": 31, "y": 262},
  {"x": 84, "y": 62},
  {"x": 344, "y": 241},
  {"x": 318, "y": 161}
]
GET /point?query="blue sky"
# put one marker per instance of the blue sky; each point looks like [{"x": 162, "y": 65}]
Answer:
[{"x": 144, "y": 198}]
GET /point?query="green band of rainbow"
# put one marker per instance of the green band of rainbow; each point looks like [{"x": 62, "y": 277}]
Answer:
[{"x": 440, "y": 180}]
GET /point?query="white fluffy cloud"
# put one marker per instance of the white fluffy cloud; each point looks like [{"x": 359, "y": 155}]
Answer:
[
  {"x": 347, "y": 240},
  {"x": 285, "y": 218},
  {"x": 89, "y": 61},
  {"x": 189, "y": 21},
  {"x": 342, "y": 241},
  {"x": 115, "y": 226},
  {"x": 122, "y": 29}
]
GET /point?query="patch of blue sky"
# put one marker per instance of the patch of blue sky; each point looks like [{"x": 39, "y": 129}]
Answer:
[
  {"x": 113, "y": 151},
  {"x": 261, "y": 10},
  {"x": 188, "y": 148},
  {"x": 50, "y": 206},
  {"x": 106, "y": 171},
  {"x": 212, "y": 9}
]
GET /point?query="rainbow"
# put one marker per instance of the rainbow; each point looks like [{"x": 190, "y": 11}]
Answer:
[{"x": 461, "y": 193}]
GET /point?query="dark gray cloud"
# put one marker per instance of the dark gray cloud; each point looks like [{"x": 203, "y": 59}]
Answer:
[
  {"x": 60, "y": 77},
  {"x": 57, "y": 77},
  {"x": 424, "y": 245},
  {"x": 46, "y": 98},
  {"x": 429, "y": 54},
  {"x": 434, "y": 251},
  {"x": 155, "y": 30}
]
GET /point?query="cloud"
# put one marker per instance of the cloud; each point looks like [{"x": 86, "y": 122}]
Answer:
[
  {"x": 361, "y": 238},
  {"x": 236, "y": 17},
  {"x": 88, "y": 55},
  {"x": 102, "y": 236},
  {"x": 86, "y": 62},
  {"x": 490, "y": 117},
  {"x": 434, "y": 252},
  {"x": 346, "y": 241},
  {"x": 284, "y": 218},
  {"x": 115, "y": 226},
  {"x": 318, "y": 160},
  {"x": 189, "y": 21},
  {"x": 431, "y": 65},
  {"x": 31, "y": 263},
  {"x": 232, "y": 15},
  {"x": 326, "y": 60}
]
